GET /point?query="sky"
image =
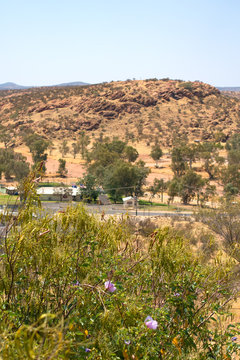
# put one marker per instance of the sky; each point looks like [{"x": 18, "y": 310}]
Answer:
[{"x": 45, "y": 42}]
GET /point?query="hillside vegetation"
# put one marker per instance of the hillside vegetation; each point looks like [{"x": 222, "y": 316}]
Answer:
[{"x": 140, "y": 108}]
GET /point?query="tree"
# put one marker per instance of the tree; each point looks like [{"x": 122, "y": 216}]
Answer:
[
  {"x": 190, "y": 152},
  {"x": 183, "y": 157},
  {"x": 159, "y": 185},
  {"x": 83, "y": 142},
  {"x": 156, "y": 153},
  {"x": 191, "y": 183},
  {"x": 139, "y": 126},
  {"x": 173, "y": 189},
  {"x": 186, "y": 187},
  {"x": 20, "y": 170},
  {"x": 89, "y": 189},
  {"x": 208, "y": 152},
  {"x": 208, "y": 192},
  {"x": 230, "y": 174},
  {"x": 230, "y": 177},
  {"x": 130, "y": 153},
  {"x": 116, "y": 145},
  {"x": 51, "y": 147},
  {"x": 107, "y": 163},
  {"x": 13, "y": 164},
  {"x": 124, "y": 179},
  {"x": 75, "y": 149},
  {"x": 64, "y": 148},
  {"x": 179, "y": 163},
  {"x": 7, "y": 138},
  {"x": 224, "y": 221},
  {"x": 37, "y": 146},
  {"x": 62, "y": 171}
]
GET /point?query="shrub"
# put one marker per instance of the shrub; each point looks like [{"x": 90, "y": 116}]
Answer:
[{"x": 56, "y": 302}]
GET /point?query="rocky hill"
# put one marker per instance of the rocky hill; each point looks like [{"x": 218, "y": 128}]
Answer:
[{"x": 131, "y": 108}]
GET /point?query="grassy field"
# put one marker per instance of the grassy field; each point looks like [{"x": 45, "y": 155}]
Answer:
[{"x": 8, "y": 199}]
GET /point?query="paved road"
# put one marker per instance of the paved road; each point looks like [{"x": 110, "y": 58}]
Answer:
[
  {"x": 55, "y": 207},
  {"x": 112, "y": 210}
]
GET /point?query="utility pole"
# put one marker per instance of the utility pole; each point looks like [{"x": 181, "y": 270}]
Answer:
[{"x": 136, "y": 201}]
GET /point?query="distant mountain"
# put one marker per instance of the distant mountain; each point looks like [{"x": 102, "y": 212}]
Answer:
[
  {"x": 229, "y": 88},
  {"x": 76, "y": 83},
  {"x": 13, "y": 86}
]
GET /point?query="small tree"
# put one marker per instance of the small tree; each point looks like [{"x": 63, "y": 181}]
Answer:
[
  {"x": 37, "y": 146},
  {"x": 156, "y": 153},
  {"x": 83, "y": 142},
  {"x": 7, "y": 139},
  {"x": 51, "y": 147},
  {"x": 75, "y": 149},
  {"x": 159, "y": 185},
  {"x": 20, "y": 169},
  {"x": 208, "y": 152},
  {"x": 224, "y": 221},
  {"x": 173, "y": 189},
  {"x": 131, "y": 153},
  {"x": 62, "y": 171},
  {"x": 179, "y": 164},
  {"x": 64, "y": 148},
  {"x": 191, "y": 183}
]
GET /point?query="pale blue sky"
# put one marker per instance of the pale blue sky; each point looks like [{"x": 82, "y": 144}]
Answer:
[{"x": 47, "y": 42}]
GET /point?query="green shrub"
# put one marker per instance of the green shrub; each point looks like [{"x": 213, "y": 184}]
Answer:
[{"x": 55, "y": 305}]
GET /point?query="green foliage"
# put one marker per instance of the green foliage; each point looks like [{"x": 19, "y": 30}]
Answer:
[
  {"x": 75, "y": 149},
  {"x": 116, "y": 146},
  {"x": 191, "y": 183},
  {"x": 54, "y": 304},
  {"x": 107, "y": 163},
  {"x": 158, "y": 186},
  {"x": 82, "y": 143},
  {"x": 186, "y": 187},
  {"x": 37, "y": 146},
  {"x": 130, "y": 153},
  {"x": 124, "y": 179},
  {"x": 208, "y": 152},
  {"x": 13, "y": 164},
  {"x": 51, "y": 184},
  {"x": 89, "y": 192},
  {"x": 179, "y": 164},
  {"x": 64, "y": 148},
  {"x": 156, "y": 153},
  {"x": 224, "y": 221},
  {"x": 62, "y": 171},
  {"x": 187, "y": 85},
  {"x": 230, "y": 174},
  {"x": 7, "y": 138}
]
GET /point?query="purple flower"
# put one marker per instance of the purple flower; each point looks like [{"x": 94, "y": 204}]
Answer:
[
  {"x": 234, "y": 338},
  {"x": 150, "y": 323},
  {"x": 77, "y": 283},
  {"x": 110, "y": 286},
  {"x": 127, "y": 342},
  {"x": 176, "y": 294},
  {"x": 87, "y": 350}
]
